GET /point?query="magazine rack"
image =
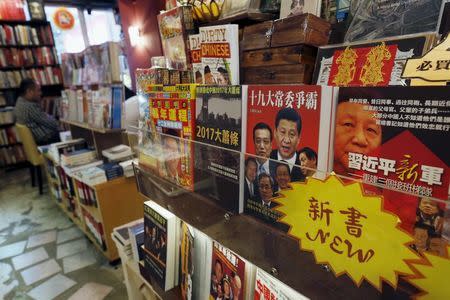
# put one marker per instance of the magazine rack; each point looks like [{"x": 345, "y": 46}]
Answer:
[{"x": 268, "y": 248}]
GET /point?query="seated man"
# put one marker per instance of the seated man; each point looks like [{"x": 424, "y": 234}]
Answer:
[{"x": 28, "y": 112}]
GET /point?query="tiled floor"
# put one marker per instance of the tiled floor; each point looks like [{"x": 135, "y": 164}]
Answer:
[{"x": 43, "y": 255}]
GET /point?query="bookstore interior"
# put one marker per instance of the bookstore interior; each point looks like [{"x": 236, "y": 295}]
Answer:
[{"x": 224, "y": 149}]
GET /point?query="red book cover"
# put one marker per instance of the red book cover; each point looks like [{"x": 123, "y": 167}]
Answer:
[
  {"x": 12, "y": 10},
  {"x": 175, "y": 117},
  {"x": 397, "y": 138},
  {"x": 226, "y": 269},
  {"x": 283, "y": 125}
]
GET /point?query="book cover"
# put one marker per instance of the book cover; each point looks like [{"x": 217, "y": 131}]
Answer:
[
  {"x": 270, "y": 288},
  {"x": 219, "y": 129},
  {"x": 374, "y": 63},
  {"x": 297, "y": 7},
  {"x": 174, "y": 25},
  {"x": 160, "y": 241},
  {"x": 187, "y": 262},
  {"x": 396, "y": 140},
  {"x": 227, "y": 274},
  {"x": 286, "y": 142},
  {"x": 220, "y": 54},
  {"x": 174, "y": 121},
  {"x": 12, "y": 10},
  {"x": 375, "y": 19},
  {"x": 196, "y": 58}
]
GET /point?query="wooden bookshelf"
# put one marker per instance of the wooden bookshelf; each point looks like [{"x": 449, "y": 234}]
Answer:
[{"x": 118, "y": 203}]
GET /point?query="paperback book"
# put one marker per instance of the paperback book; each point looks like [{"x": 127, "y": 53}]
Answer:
[
  {"x": 220, "y": 54},
  {"x": 196, "y": 58},
  {"x": 160, "y": 245},
  {"x": 188, "y": 271},
  {"x": 285, "y": 142},
  {"x": 269, "y": 288},
  {"x": 218, "y": 127},
  {"x": 396, "y": 141}
]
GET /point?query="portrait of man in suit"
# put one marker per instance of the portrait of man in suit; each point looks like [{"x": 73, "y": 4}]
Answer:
[
  {"x": 288, "y": 127},
  {"x": 262, "y": 138},
  {"x": 250, "y": 187},
  {"x": 265, "y": 186}
]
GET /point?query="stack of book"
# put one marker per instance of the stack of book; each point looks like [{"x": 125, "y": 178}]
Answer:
[
  {"x": 78, "y": 157},
  {"x": 130, "y": 238},
  {"x": 127, "y": 167},
  {"x": 118, "y": 153},
  {"x": 112, "y": 170},
  {"x": 57, "y": 149}
]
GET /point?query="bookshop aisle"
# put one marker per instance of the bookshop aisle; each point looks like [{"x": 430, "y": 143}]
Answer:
[{"x": 43, "y": 255}]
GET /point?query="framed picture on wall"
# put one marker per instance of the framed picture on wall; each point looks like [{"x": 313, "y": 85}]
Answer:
[{"x": 36, "y": 9}]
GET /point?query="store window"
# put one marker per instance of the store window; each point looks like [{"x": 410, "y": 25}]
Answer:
[
  {"x": 101, "y": 27},
  {"x": 67, "y": 28},
  {"x": 75, "y": 29}
]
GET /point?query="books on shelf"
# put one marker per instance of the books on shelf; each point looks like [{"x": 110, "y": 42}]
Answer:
[
  {"x": 100, "y": 108},
  {"x": 97, "y": 65},
  {"x": 95, "y": 228},
  {"x": 57, "y": 149},
  {"x": 71, "y": 170},
  {"x": 174, "y": 27},
  {"x": 220, "y": 115},
  {"x": 6, "y": 115},
  {"x": 25, "y": 35},
  {"x": 43, "y": 75},
  {"x": 78, "y": 157},
  {"x": 112, "y": 170},
  {"x": 9, "y": 136},
  {"x": 11, "y": 155},
  {"x": 220, "y": 54},
  {"x": 288, "y": 142},
  {"x": 161, "y": 252},
  {"x": 28, "y": 57}
]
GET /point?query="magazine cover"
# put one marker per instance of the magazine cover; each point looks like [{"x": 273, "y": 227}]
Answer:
[
  {"x": 174, "y": 120},
  {"x": 397, "y": 138},
  {"x": 283, "y": 125},
  {"x": 227, "y": 274},
  {"x": 375, "y": 63},
  {"x": 187, "y": 262},
  {"x": 375, "y": 19},
  {"x": 174, "y": 25},
  {"x": 218, "y": 123},
  {"x": 220, "y": 54},
  {"x": 196, "y": 58}
]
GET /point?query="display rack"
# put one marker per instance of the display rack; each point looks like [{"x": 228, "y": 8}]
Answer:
[{"x": 118, "y": 201}]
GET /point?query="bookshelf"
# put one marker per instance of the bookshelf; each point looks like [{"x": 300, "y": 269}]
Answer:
[{"x": 26, "y": 50}]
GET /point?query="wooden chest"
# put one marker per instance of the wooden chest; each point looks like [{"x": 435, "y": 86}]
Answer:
[{"x": 282, "y": 51}]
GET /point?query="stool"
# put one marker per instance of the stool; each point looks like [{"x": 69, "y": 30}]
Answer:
[{"x": 35, "y": 158}]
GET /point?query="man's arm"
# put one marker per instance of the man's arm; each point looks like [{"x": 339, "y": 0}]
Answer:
[{"x": 38, "y": 116}]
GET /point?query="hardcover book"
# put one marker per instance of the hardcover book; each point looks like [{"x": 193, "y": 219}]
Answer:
[
  {"x": 219, "y": 123},
  {"x": 174, "y": 27},
  {"x": 220, "y": 54},
  {"x": 160, "y": 245},
  {"x": 227, "y": 274},
  {"x": 375, "y": 19},
  {"x": 286, "y": 142},
  {"x": 374, "y": 63},
  {"x": 396, "y": 141}
]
